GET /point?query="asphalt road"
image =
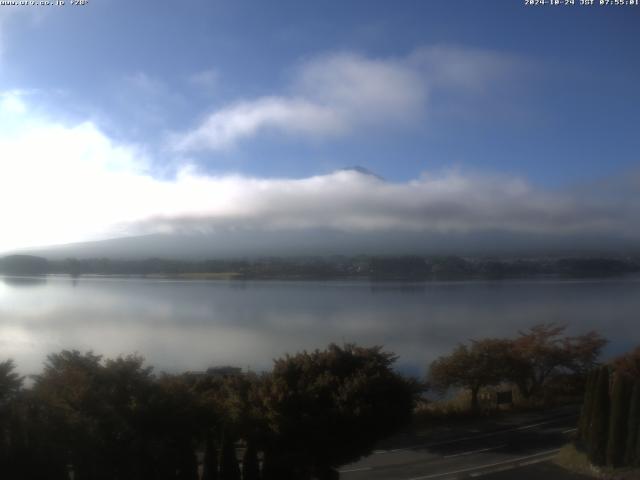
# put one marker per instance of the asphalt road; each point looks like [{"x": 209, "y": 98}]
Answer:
[{"x": 512, "y": 450}]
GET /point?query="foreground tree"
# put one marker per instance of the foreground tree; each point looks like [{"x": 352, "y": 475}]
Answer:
[
  {"x": 481, "y": 364},
  {"x": 618, "y": 423},
  {"x": 542, "y": 352},
  {"x": 210, "y": 460},
  {"x": 633, "y": 427},
  {"x": 229, "y": 468},
  {"x": 10, "y": 382},
  {"x": 250, "y": 463},
  {"x": 330, "y": 407},
  {"x": 587, "y": 408},
  {"x": 114, "y": 419},
  {"x": 10, "y": 416},
  {"x": 599, "y": 425},
  {"x": 629, "y": 364}
]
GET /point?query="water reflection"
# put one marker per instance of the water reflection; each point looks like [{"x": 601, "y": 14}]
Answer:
[
  {"x": 181, "y": 325},
  {"x": 24, "y": 281}
]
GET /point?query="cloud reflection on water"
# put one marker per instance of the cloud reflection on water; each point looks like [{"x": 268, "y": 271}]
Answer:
[{"x": 179, "y": 325}]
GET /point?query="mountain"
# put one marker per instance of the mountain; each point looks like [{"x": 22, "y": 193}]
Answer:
[
  {"x": 321, "y": 242},
  {"x": 361, "y": 170}
]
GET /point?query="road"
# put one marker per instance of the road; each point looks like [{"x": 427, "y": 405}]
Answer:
[{"x": 526, "y": 443}]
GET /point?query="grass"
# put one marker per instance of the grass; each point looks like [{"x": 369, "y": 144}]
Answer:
[
  {"x": 574, "y": 460},
  {"x": 458, "y": 407}
]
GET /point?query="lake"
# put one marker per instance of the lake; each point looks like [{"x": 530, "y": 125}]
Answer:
[{"x": 191, "y": 325}]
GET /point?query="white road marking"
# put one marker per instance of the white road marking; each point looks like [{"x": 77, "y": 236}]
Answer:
[
  {"x": 362, "y": 469},
  {"x": 474, "y": 451},
  {"x": 475, "y": 437},
  {"x": 533, "y": 425},
  {"x": 533, "y": 462},
  {"x": 493, "y": 470},
  {"x": 509, "y": 467},
  {"x": 513, "y": 461}
]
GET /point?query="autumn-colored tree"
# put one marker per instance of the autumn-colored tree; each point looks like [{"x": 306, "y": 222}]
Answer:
[
  {"x": 10, "y": 386},
  {"x": 72, "y": 391},
  {"x": 230, "y": 401},
  {"x": 542, "y": 351},
  {"x": 629, "y": 364},
  {"x": 330, "y": 407},
  {"x": 12, "y": 445},
  {"x": 174, "y": 416},
  {"x": 480, "y": 364},
  {"x": 115, "y": 419},
  {"x": 10, "y": 382}
]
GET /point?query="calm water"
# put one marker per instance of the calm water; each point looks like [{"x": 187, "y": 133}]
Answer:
[{"x": 179, "y": 325}]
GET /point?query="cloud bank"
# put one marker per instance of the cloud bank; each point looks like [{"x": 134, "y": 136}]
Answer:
[{"x": 67, "y": 183}]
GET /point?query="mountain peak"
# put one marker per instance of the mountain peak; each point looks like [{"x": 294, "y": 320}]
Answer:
[{"x": 361, "y": 170}]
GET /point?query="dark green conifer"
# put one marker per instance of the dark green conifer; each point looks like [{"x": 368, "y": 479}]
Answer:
[
  {"x": 599, "y": 429},
  {"x": 587, "y": 408},
  {"x": 618, "y": 426},
  {"x": 633, "y": 425},
  {"x": 636, "y": 460}
]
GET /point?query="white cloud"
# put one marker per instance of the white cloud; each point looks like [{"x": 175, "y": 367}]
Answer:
[
  {"x": 63, "y": 183},
  {"x": 336, "y": 94},
  {"x": 146, "y": 84},
  {"x": 12, "y": 102},
  {"x": 206, "y": 79},
  {"x": 330, "y": 96},
  {"x": 229, "y": 125},
  {"x": 463, "y": 68}
]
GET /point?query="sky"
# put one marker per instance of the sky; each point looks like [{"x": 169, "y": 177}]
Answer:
[{"x": 127, "y": 118}]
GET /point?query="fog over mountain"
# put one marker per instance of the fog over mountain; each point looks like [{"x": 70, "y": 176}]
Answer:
[
  {"x": 354, "y": 211},
  {"x": 255, "y": 243}
]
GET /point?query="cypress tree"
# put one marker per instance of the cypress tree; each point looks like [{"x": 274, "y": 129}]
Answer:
[
  {"x": 587, "y": 408},
  {"x": 633, "y": 425},
  {"x": 599, "y": 429},
  {"x": 250, "y": 465},
  {"x": 636, "y": 459},
  {"x": 620, "y": 396},
  {"x": 229, "y": 468},
  {"x": 210, "y": 461}
]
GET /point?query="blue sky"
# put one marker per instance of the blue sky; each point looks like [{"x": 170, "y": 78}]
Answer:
[{"x": 542, "y": 97}]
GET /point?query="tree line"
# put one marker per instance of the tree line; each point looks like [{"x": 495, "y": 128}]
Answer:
[
  {"x": 398, "y": 267},
  {"x": 90, "y": 418}
]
